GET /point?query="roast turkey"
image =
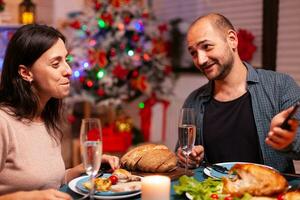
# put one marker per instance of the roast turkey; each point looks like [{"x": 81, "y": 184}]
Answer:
[{"x": 256, "y": 180}]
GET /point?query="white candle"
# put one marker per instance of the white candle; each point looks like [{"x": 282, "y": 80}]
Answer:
[{"x": 156, "y": 187}]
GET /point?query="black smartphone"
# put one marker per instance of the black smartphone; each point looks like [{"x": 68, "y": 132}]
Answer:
[{"x": 285, "y": 124}]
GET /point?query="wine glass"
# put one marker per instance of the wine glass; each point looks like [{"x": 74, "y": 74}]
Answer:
[
  {"x": 186, "y": 132},
  {"x": 91, "y": 148}
]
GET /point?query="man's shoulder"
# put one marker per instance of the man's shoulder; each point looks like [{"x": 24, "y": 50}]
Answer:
[
  {"x": 203, "y": 91},
  {"x": 273, "y": 77}
]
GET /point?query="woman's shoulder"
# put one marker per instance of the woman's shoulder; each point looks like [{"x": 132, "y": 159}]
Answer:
[{"x": 6, "y": 113}]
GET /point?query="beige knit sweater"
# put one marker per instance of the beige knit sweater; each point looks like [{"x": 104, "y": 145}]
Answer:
[{"x": 29, "y": 158}]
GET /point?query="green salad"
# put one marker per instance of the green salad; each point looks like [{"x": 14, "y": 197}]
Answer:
[{"x": 209, "y": 189}]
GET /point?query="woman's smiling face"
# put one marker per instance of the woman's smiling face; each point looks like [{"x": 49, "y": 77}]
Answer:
[{"x": 51, "y": 73}]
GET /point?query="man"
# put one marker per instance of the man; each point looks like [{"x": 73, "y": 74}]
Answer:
[{"x": 240, "y": 110}]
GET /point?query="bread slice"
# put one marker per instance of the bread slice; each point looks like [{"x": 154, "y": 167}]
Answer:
[
  {"x": 169, "y": 165},
  {"x": 130, "y": 159},
  {"x": 151, "y": 161},
  {"x": 149, "y": 158}
]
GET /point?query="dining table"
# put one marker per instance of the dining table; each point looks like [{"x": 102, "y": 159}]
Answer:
[{"x": 293, "y": 179}]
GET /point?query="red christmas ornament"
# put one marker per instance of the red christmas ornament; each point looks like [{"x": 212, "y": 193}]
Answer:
[
  {"x": 113, "y": 52},
  {"x": 71, "y": 119},
  {"x": 145, "y": 14},
  {"x": 89, "y": 83},
  {"x": 122, "y": 46},
  {"x": 246, "y": 48},
  {"x": 162, "y": 28},
  {"x": 146, "y": 57},
  {"x": 100, "y": 92},
  {"x": 120, "y": 72},
  {"x": 97, "y": 57},
  {"x": 107, "y": 18},
  {"x": 98, "y": 5},
  {"x": 127, "y": 19},
  {"x": 115, "y": 3},
  {"x": 75, "y": 24},
  {"x": 140, "y": 83},
  {"x": 159, "y": 46},
  {"x": 82, "y": 79},
  {"x": 135, "y": 37},
  {"x": 139, "y": 49},
  {"x": 135, "y": 74}
]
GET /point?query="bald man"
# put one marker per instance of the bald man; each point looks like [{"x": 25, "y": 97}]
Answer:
[{"x": 240, "y": 110}]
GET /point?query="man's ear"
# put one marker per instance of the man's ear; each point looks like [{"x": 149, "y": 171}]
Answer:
[
  {"x": 232, "y": 39},
  {"x": 25, "y": 73}
]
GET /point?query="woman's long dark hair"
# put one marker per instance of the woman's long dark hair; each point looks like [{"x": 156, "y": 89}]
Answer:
[{"x": 27, "y": 44}]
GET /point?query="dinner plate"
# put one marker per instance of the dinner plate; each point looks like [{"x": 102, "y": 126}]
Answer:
[
  {"x": 218, "y": 175},
  {"x": 99, "y": 195}
]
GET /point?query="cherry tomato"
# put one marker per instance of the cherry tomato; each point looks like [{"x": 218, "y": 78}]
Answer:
[
  {"x": 214, "y": 196},
  {"x": 228, "y": 198},
  {"x": 280, "y": 197},
  {"x": 113, "y": 179}
]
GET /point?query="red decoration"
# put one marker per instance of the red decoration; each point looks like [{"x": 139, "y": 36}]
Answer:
[
  {"x": 162, "y": 28},
  {"x": 75, "y": 24},
  {"x": 127, "y": 19},
  {"x": 114, "y": 141},
  {"x": 97, "y": 57},
  {"x": 135, "y": 37},
  {"x": 146, "y": 114},
  {"x": 140, "y": 83},
  {"x": 100, "y": 92},
  {"x": 71, "y": 119},
  {"x": 159, "y": 46},
  {"x": 98, "y": 5},
  {"x": 246, "y": 48},
  {"x": 107, "y": 18},
  {"x": 120, "y": 72},
  {"x": 81, "y": 79}
]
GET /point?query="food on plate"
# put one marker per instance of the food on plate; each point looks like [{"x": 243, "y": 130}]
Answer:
[
  {"x": 100, "y": 184},
  {"x": 256, "y": 180},
  {"x": 291, "y": 195},
  {"x": 149, "y": 158},
  {"x": 114, "y": 179},
  {"x": 125, "y": 176},
  {"x": 250, "y": 182},
  {"x": 115, "y": 182},
  {"x": 126, "y": 187}
]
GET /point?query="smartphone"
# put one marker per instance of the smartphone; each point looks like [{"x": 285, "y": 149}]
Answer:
[{"x": 285, "y": 124}]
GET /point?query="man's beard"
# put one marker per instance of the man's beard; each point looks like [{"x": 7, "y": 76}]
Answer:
[{"x": 223, "y": 69}]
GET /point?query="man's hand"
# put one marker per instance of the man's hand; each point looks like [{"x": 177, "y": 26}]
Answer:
[
  {"x": 194, "y": 158},
  {"x": 279, "y": 138}
]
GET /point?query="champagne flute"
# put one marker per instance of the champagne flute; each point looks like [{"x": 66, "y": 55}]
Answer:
[
  {"x": 91, "y": 148},
  {"x": 186, "y": 132}
]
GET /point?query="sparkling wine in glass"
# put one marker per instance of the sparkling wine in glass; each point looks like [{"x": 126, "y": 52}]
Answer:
[
  {"x": 91, "y": 148},
  {"x": 186, "y": 132}
]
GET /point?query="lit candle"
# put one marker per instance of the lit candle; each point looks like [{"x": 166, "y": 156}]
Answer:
[{"x": 156, "y": 187}]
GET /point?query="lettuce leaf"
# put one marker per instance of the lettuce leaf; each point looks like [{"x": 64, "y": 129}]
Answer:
[{"x": 198, "y": 190}]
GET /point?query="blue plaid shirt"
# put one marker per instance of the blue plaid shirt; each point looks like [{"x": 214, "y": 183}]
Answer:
[{"x": 270, "y": 92}]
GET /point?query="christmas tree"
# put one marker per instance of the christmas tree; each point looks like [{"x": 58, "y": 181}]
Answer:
[{"x": 118, "y": 51}]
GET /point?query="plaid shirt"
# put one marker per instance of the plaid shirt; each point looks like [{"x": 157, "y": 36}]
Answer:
[{"x": 270, "y": 92}]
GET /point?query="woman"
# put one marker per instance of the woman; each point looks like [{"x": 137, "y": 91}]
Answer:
[{"x": 35, "y": 77}]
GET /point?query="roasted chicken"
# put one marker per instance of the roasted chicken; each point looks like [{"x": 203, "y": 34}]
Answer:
[{"x": 256, "y": 180}]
